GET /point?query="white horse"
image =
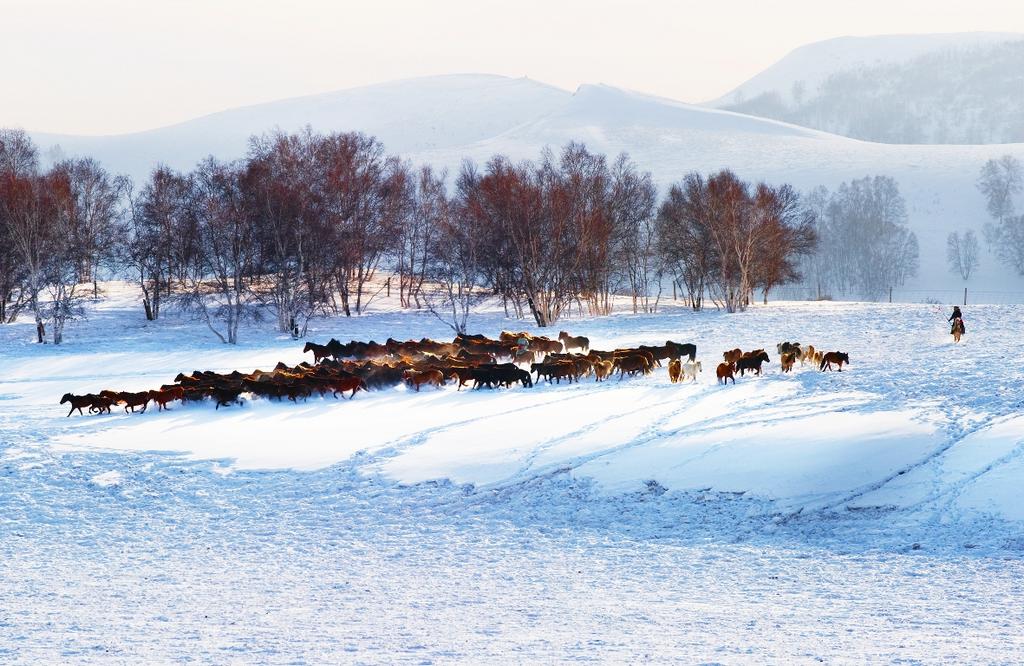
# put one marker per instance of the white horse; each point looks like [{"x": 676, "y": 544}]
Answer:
[{"x": 690, "y": 370}]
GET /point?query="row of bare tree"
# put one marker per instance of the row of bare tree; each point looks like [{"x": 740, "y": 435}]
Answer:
[
  {"x": 305, "y": 223},
  {"x": 54, "y": 226},
  {"x": 722, "y": 237}
]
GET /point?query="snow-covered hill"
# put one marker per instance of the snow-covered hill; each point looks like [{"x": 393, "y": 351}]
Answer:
[
  {"x": 443, "y": 120},
  {"x": 408, "y": 115},
  {"x": 812, "y": 63},
  {"x": 947, "y": 88},
  {"x": 671, "y": 138}
]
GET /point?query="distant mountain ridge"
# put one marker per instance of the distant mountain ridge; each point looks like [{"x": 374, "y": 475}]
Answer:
[
  {"x": 920, "y": 89},
  {"x": 408, "y": 115}
]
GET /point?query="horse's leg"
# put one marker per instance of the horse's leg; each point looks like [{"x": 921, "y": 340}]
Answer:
[{"x": 72, "y": 411}]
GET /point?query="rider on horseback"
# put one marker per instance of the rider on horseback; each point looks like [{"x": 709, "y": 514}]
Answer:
[
  {"x": 522, "y": 348},
  {"x": 955, "y": 317}
]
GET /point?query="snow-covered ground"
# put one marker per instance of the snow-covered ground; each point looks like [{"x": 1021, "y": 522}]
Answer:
[{"x": 872, "y": 515}]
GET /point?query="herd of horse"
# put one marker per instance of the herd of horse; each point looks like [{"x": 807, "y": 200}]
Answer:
[
  {"x": 483, "y": 362},
  {"x": 737, "y": 360}
]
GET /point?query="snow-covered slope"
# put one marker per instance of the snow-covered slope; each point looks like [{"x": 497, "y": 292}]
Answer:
[
  {"x": 965, "y": 89},
  {"x": 873, "y": 513},
  {"x": 881, "y": 435},
  {"x": 812, "y": 63},
  {"x": 443, "y": 120},
  {"x": 671, "y": 138},
  {"x": 408, "y": 115}
]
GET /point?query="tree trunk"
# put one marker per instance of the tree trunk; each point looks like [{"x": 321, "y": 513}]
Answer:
[{"x": 539, "y": 315}]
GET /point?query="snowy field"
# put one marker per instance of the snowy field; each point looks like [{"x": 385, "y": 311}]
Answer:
[{"x": 873, "y": 515}]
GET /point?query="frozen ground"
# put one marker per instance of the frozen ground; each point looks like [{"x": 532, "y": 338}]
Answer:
[{"x": 873, "y": 515}]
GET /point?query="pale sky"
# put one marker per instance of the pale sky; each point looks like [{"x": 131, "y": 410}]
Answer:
[{"x": 112, "y": 66}]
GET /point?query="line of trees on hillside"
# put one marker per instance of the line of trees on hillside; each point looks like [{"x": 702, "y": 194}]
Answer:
[
  {"x": 1001, "y": 181},
  {"x": 865, "y": 246},
  {"x": 303, "y": 226}
]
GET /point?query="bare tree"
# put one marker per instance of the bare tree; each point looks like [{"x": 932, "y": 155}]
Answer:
[
  {"x": 18, "y": 160},
  {"x": 787, "y": 235},
  {"x": 18, "y": 155},
  {"x": 552, "y": 228},
  {"x": 684, "y": 237},
  {"x": 816, "y": 268},
  {"x": 29, "y": 209},
  {"x": 366, "y": 198},
  {"x": 63, "y": 259},
  {"x": 734, "y": 236},
  {"x": 418, "y": 233},
  {"x": 93, "y": 214},
  {"x": 1000, "y": 181},
  {"x": 454, "y": 270},
  {"x": 632, "y": 200},
  {"x": 718, "y": 236},
  {"x": 865, "y": 246},
  {"x": 160, "y": 236},
  {"x": 278, "y": 181},
  {"x": 222, "y": 282},
  {"x": 962, "y": 253},
  {"x": 36, "y": 210}
]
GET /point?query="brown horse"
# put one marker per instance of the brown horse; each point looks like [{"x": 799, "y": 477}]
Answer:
[
  {"x": 788, "y": 360},
  {"x": 574, "y": 342},
  {"x": 166, "y": 395},
  {"x": 416, "y": 379},
  {"x": 732, "y": 355},
  {"x": 545, "y": 345},
  {"x": 601, "y": 370},
  {"x": 834, "y": 357},
  {"x": 725, "y": 372},
  {"x": 343, "y": 384},
  {"x": 675, "y": 370},
  {"x": 958, "y": 329},
  {"x": 633, "y": 364}
]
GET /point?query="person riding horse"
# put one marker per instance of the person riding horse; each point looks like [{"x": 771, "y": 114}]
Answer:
[
  {"x": 957, "y": 316},
  {"x": 522, "y": 348}
]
